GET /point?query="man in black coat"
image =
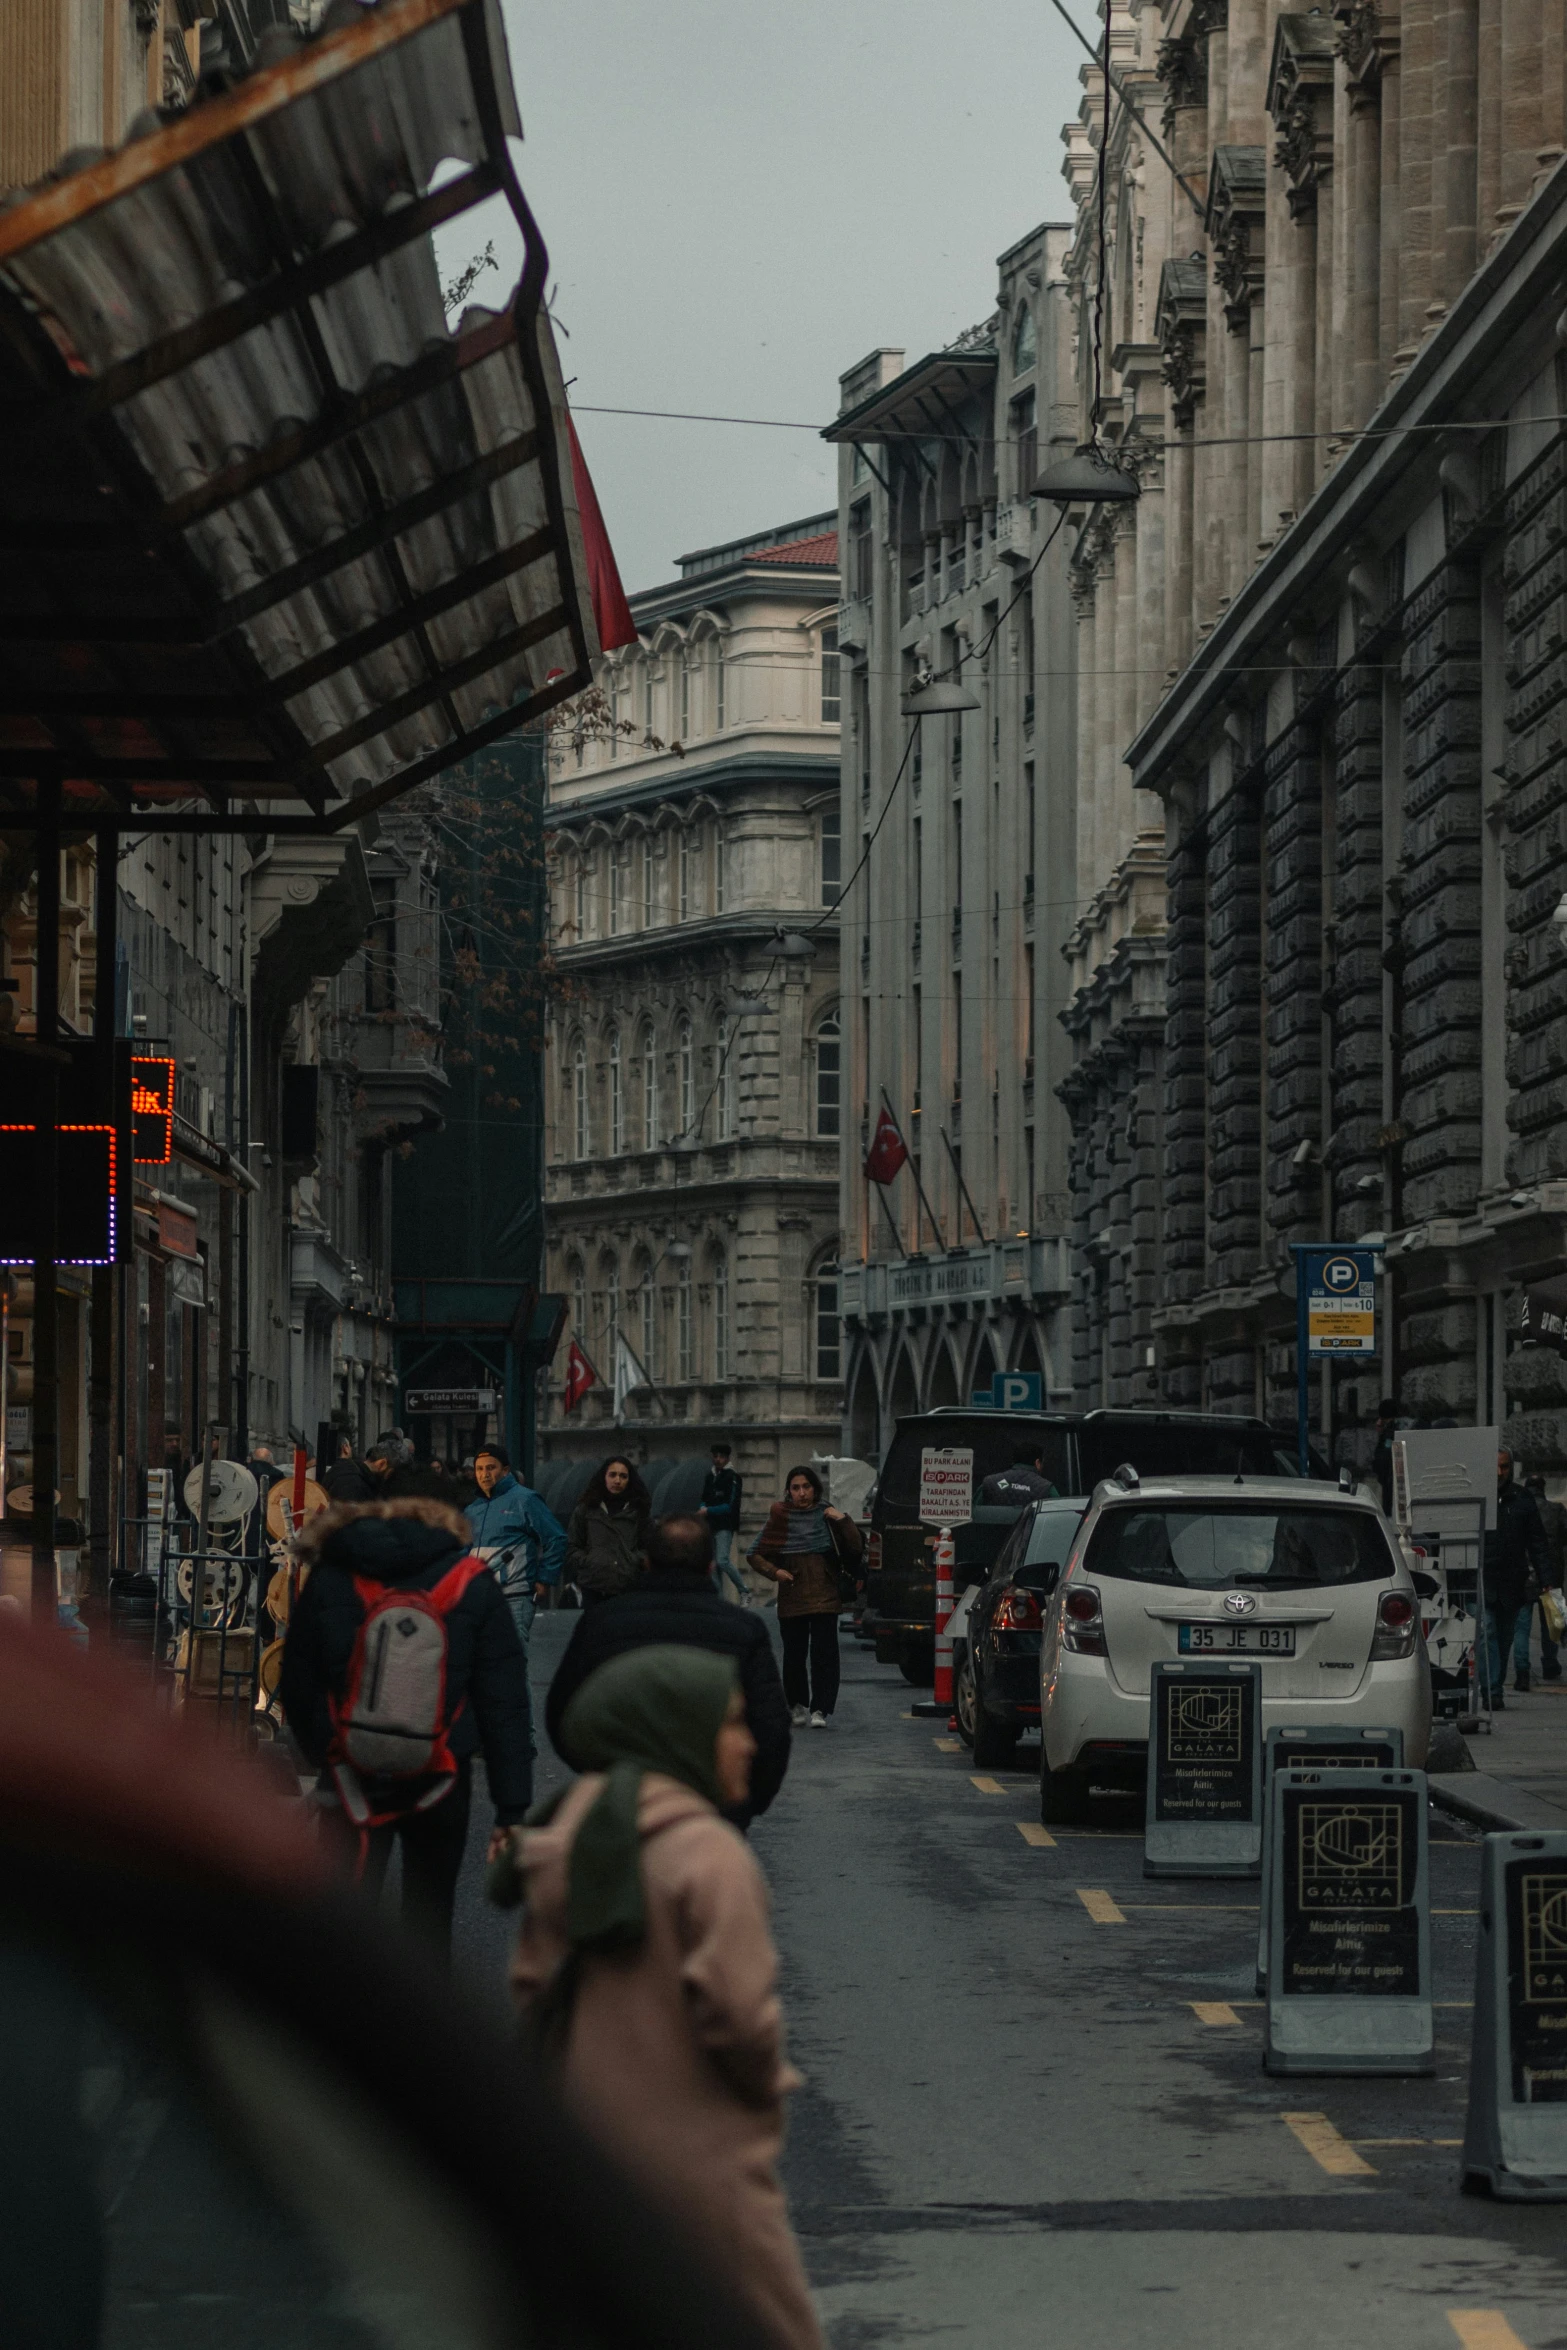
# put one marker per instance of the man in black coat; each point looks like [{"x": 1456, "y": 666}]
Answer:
[
  {"x": 1516, "y": 1550},
  {"x": 410, "y": 1545},
  {"x": 673, "y": 1601}
]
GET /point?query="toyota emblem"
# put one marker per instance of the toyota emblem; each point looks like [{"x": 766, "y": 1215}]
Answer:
[{"x": 1239, "y": 1603}]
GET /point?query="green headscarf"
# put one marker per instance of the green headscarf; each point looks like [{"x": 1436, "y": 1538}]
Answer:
[{"x": 653, "y": 1709}]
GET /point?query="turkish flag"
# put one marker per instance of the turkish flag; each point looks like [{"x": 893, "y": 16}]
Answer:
[
  {"x": 611, "y": 612},
  {"x": 580, "y": 1376},
  {"x": 888, "y": 1151}
]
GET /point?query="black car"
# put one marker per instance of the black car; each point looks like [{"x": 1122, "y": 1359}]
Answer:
[{"x": 995, "y": 1665}]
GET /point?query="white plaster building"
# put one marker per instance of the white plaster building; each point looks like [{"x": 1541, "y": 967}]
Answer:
[{"x": 693, "y": 1052}]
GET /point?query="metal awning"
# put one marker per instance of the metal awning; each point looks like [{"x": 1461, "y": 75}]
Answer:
[
  {"x": 270, "y": 530},
  {"x": 921, "y": 403}
]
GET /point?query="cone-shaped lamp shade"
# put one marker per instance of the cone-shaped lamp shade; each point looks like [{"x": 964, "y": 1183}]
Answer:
[
  {"x": 1086, "y": 479},
  {"x": 942, "y": 698}
]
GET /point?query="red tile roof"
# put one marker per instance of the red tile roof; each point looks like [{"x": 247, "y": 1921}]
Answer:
[{"x": 822, "y": 550}]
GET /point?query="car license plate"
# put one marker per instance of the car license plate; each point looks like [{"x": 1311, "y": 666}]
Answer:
[{"x": 1237, "y": 1639}]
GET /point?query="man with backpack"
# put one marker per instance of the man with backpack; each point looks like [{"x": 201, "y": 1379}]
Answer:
[{"x": 401, "y": 1664}]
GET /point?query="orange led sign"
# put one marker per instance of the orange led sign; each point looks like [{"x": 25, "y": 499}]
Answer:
[{"x": 152, "y": 1110}]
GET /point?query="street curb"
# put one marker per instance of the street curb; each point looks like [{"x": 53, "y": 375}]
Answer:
[{"x": 1492, "y": 1803}]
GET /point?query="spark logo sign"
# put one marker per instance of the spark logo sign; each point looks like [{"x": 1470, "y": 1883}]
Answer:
[
  {"x": 152, "y": 1110},
  {"x": 85, "y": 1188}
]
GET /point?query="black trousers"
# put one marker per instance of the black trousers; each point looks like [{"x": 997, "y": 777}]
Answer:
[
  {"x": 810, "y": 1661},
  {"x": 433, "y": 1843}
]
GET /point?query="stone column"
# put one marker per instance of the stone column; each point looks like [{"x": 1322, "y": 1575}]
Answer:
[
  {"x": 1087, "y": 733},
  {"x": 1552, "y": 95},
  {"x": 1178, "y": 461},
  {"x": 1363, "y": 221},
  {"x": 1281, "y": 374},
  {"x": 1437, "y": 295},
  {"x": 1414, "y": 286},
  {"x": 1521, "y": 108},
  {"x": 1326, "y": 288},
  {"x": 1456, "y": 149},
  {"x": 1488, "y": 121},
  {"x": 1389, "y": 43},
  {"x": 1129, "y": 643}
]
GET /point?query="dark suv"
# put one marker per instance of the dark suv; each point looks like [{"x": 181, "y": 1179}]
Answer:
[{"x": 1079, "y": 1448}]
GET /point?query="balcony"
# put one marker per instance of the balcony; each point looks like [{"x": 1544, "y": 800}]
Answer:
[
  {"x": 854, "y": 626},
  {"x": 1015, "y": 531}
]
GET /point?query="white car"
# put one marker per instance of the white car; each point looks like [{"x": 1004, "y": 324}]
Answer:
[{"x": 1307, "y": 1579}]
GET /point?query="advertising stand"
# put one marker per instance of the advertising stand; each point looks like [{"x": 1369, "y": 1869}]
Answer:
[
  {"x": 1349, "y": 1937},
  {"x": 1364, "y": 1750},
  {"x": 1515, "y": 2138},
  {"x": 1444, "y": 1498},
  {"x": 1204, "y": 1771}
]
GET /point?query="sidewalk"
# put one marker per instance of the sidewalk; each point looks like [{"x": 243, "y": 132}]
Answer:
[{"x": 1520, "y": 1774}]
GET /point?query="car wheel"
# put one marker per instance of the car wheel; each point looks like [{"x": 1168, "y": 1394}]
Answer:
[
  {"x": 963, "y": 1697},
  {"x": 920, "y": 1670},
  {"x": 1063, "y": 1796},
  {"x": 995, "y": 1746}
]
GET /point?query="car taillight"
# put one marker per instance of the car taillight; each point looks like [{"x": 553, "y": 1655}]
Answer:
[
  {"x": 1017, "y": 1611},
  {"x": 1082, "y": 1621},
  {"x": 873, "y": 1554},
  {"x": 1398, "y": 1624}
]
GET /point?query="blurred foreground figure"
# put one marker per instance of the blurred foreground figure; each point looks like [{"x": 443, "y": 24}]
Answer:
[{"x": 647, "y": 1966}]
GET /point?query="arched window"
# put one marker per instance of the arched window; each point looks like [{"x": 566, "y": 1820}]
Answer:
[
  {"x": 720, "y": 1317},
  {"x": 832, "y": 855},
  {"x": 647, "y": 881},
  {"x": 580, "y": 897},
  {"x": 830, "y": 675},
  {"x": 614, "y": 717},
  {"x": 725, "y": 1082},
  {"x": 685, "y": 697},
  {"x": 828, "y": 1329},
  {"x": 579, "y": 1100},
  {"x": 683, "y": 1335},
  {"x": 1025, "y": 341},
  {"x": 577, "y": 1284},
  {"x": 650, "y": 1133},
  {"x": 612, "y": 1294},
  {"x": 647, "y": 697},
  {"x": 647, "y": 1316},
  {"x": 615, "y": 875},
  {"x": 617, "y": 1098},
  {"x": 720, "y": 714},
  {"x": 687, "y": 865},
  {"x": 686, "y": 1058},
  {"x": 720, "y": 861},
  {"x": 829, "y": 1077}
]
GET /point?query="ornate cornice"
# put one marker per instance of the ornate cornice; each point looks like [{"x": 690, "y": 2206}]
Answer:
[
  {"x": 1237, "y": 199},
  {"x": 1300, "y": 100},
  {"x": 1180, "y": 327},
  {"x": 1368, "y": 42},
  {"x": 1182, "y": 68}
]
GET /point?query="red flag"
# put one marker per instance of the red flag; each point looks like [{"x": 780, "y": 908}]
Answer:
[
  {"x": 580, "y": 1376},
  {"x": 888, "y": 1151},
  {"x": 611, "y": 612}
]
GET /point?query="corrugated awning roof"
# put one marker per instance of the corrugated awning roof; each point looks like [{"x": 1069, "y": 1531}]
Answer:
[
  {"x": 919, "y": 404},
  {"x": 270, "y": 529}
]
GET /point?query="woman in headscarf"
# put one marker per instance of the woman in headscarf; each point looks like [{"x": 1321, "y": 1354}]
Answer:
[
  {"x": 604, "y": 1542},
  {"x": 647, "y": 1964},
  {"x": 801, "y": 1548}
]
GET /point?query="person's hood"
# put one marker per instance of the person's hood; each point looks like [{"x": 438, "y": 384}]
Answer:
[
  {"x": 388, "y": 1541},
  {"x": 544, "y": 1853}
]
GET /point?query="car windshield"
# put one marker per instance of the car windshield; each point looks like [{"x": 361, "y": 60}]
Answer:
[
  {"x": 1182, "y": 1448},
  {"x": 996, "y": 1443},
  {"x": 1207, "y": 1548}
]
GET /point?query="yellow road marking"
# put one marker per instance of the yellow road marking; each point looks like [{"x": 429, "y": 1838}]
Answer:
[
  {"x": 1101, "y": 1908},
  {"x": 1483, "y": 2329},
  {"x": 1326, "y": 2147},
  {"x": 987, "y": 1786},
  {"x": 1456, "y": 1913},
  {"x": 1213, "y": 2011},
  {"x": 1032, "y": 1833},
  {"x": 1249, "y": 1906},
  {"x": 948, "y": 1745},
  {"x": 1408, "y": 2141}
]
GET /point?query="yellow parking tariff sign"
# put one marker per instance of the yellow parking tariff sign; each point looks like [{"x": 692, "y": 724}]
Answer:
[{"x": 1341, "y": 1317}]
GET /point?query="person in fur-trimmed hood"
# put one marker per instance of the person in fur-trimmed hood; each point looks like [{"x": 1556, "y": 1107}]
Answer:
[{"x": 410, "y": 1545}]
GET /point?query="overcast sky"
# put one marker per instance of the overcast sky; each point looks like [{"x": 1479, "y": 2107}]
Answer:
[{"x": 742, "y": 197}]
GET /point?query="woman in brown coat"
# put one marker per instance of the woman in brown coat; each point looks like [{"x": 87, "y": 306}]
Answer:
[
  {"x": 647, "y": 1963},
  {"x": 801, "y": 1548}
]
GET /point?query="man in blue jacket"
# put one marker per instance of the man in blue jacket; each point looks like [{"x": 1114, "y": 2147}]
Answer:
[{"x": 521, "y": 1541}]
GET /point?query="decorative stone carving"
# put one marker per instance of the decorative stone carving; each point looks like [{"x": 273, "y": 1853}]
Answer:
[
  {"x": 1180, "y": 329},
  {"x": 1300, "y": 100},
  {"x": 1367, "y": 41},
  {"x": 1237, "y": 195},
  {"x": 1182, "y": 68}
]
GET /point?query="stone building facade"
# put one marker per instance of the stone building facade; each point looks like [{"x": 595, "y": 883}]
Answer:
[
  {"x": 693, "y": 1070},
  {"x": 1334, "y": 361},
  {"x": 964, "y": 835}
]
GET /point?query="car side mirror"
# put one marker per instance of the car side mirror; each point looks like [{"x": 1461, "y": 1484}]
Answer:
[{"x": 1427, "y": 1585}]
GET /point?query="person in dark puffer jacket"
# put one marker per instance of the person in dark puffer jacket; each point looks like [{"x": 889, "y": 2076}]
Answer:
[{"x": 411, "y": 1544}]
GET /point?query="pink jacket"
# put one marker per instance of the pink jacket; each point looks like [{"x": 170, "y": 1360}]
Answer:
[{"x": 675, "y": 2053}]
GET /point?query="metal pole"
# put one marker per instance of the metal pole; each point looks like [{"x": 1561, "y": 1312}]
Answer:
[
  {"x": 1301, "y": 1339},
  {"x": 107, "y": 1280},
  {"x": 46, "y": 1334}
]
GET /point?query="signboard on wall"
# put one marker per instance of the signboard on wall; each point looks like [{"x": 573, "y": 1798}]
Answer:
[
  {"x": 947, "y": 1484},
  {"x": 152, "y": 1109}
]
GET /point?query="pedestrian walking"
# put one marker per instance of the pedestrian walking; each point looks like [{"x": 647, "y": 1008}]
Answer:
[
  {"x": 1553, "y": 1518},
  {"x": 1516, "y": 1552},
  {"x": 517, "y": 1535},
  {"x": 345, "y": 1479},
  {"x": 801, "y": 1549},
  {"x": 607, "y": 1531},
  {"x": 403, "y": 1572},
  {"x": 673, "y": 1603},
  {"x": 1384, "y": 1429},
  {"x": 647, "y": 1969},
  {"x": 722, "y": 1489}
]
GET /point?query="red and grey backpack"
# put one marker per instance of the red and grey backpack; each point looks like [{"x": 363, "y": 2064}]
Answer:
[{"x": 392, "y": 1724}]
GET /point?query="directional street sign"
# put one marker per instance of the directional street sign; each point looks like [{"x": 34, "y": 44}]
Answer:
[
  {"x": 1516, "y": 2135},
  {"x": 1204, "y": 1771},
  {"x": 1349, "y": 1931}
]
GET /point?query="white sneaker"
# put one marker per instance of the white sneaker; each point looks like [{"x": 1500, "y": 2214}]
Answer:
[
  {"x": 798, "y": 1716},
  {"x": 818, "y": 1721}
]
